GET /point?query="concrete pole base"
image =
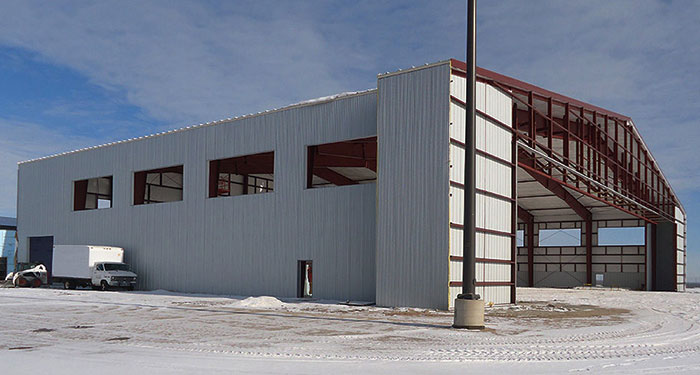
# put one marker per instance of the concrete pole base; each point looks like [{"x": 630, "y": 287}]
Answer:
[{"x": 469, "y": 313}]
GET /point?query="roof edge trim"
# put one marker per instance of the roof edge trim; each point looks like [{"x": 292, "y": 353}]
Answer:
[
  {"x": 306, "y": 103},
  {"x": 485, "y": 73},
  {"x": 412, "y": 69}
]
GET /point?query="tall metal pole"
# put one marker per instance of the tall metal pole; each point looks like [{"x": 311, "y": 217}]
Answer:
[
  {"x": 469, "y": 239},
  {"x": 469, "y": 307}
]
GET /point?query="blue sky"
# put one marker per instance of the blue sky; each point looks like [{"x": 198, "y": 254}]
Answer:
[{"x": 75, "y": 74}]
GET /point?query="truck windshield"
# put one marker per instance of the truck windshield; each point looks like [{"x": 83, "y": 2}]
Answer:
[{"x": 116, "y": 267}]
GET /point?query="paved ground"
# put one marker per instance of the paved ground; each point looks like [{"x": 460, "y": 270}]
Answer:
[{"x": 549, "y": 330}]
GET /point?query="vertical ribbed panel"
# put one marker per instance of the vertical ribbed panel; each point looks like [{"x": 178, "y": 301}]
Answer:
[
  {"x": 413, "y": 188},
  {"x": 681, "y": 247},
  {"x": 245, "y": 245},
  {"x": 493, "y": 175}
]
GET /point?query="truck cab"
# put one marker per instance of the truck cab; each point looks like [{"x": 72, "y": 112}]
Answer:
[{"x": 106, "y": 275}]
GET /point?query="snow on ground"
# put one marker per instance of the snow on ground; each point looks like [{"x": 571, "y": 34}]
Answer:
[{"x": 548, "y": 331}]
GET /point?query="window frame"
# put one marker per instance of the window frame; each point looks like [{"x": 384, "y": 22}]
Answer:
[
  {"x": 580, "y": 237},
  {"x": 98, "y": 196}
]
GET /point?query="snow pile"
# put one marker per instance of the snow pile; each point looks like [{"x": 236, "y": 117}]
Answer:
[
  {"x": 329, "y": 98},
  {"x": 262, "y": 302}
]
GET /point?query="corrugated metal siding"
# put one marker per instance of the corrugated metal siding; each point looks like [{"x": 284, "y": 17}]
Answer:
[
  {"x": 681, "y": 247},
  {"x": 236, "y": 245},
  {"x": 413, "y": 188},
  {"x": 493, "y": 213}
]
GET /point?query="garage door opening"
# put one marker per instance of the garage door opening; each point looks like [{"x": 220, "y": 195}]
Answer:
[{"x": 304, "y": 279}]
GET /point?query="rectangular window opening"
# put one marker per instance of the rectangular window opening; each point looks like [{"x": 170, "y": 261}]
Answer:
[
  {"x": 92, "y": 193},
  {"x": 342, "y": 163},
  {"x": 628, "y": 236},
  {"x": 520, "y": 238},
  {"x": 158, "y": 185},
  {"x": 242, "y": 175},
  {"x": 559, "y": 237}
]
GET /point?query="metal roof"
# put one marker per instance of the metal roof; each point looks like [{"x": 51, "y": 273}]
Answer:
[{"x": 305, "y": 103}]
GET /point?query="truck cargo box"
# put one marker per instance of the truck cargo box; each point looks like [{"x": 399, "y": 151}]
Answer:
[{"x": 74, "y": 261}]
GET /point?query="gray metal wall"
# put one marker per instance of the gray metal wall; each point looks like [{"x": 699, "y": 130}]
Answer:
[
  {"x": 245, "y": 245},
  {"x": 666, "y": 256},
  {"x": 413, "y": 188}
]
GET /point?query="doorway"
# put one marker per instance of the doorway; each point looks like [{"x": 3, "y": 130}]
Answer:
[
  {"x": 41, "y": 252},
  {"x": 304, "y": 279},
  {"x": 3, "y": 266}
]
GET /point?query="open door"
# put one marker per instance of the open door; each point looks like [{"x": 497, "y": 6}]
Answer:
[{"x": 304, "y": 279}]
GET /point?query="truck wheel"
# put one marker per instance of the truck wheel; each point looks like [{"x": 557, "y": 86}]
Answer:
[
  {"x": 68, "y": 285},
  {"x": 104, "y": 286},
  {"x": 21, "y": 281},
  {"x": 36, "y": 283}
]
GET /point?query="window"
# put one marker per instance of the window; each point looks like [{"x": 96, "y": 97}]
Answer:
[
  {"x": 242, "y": 175},
  {"x": 116, "y": 267},
  {"x": 631, "y": 236},
  {"x": 100, "y": 268},
  {"x": 520, "y": 238},
  {"x": 92, "y": 194},
  {"x": 158, "y": 185},
  {"x": 559, "y": 237},
  {"x": 342, "y": 163}
]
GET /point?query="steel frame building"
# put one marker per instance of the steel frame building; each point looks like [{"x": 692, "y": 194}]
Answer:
[
  {"x": 368, "y": 188},
  {"x": 594, "y": 164}
]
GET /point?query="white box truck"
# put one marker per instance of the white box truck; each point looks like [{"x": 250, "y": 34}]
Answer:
[{"x": 101, "y": 267}]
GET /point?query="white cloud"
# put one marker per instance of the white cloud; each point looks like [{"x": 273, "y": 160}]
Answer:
[
  {"x": 188, "y": 62},
  {"x": 23, "y": 141},
  {"x": 638, "y": 58},
  {"x": 182, "y": 62}
]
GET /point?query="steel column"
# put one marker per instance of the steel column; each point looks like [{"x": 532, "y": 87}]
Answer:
[
  {"x": 469, "y": 232},
  {"x": 589, "y": 251}
]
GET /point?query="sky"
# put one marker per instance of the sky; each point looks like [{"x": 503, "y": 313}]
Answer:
[{"x": 79, "y": 73}]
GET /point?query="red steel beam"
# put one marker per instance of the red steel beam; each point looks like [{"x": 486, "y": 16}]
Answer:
[
  {"x": 557, "y": 189},
  {"x": 321, "y": 160},
  {"x": 589, "y": 251},
  {"x": 524, "y": 86},
  {"x": 630, "y": 180},
  {"x": 529, "y": 241},
  {"x": 524, "y": 215},
  {"x": 530, "y": 233},
  {"x": 333, "y": 177}
]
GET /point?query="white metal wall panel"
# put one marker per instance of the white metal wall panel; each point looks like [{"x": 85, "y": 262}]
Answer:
[
  {"x": 494, "y": 246},
  {"x": 234, "y": 245},
  {"x": 413, "y": 188},
  {"x": 681, "y": 238},
  {"x": 494, "y": 174}
]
